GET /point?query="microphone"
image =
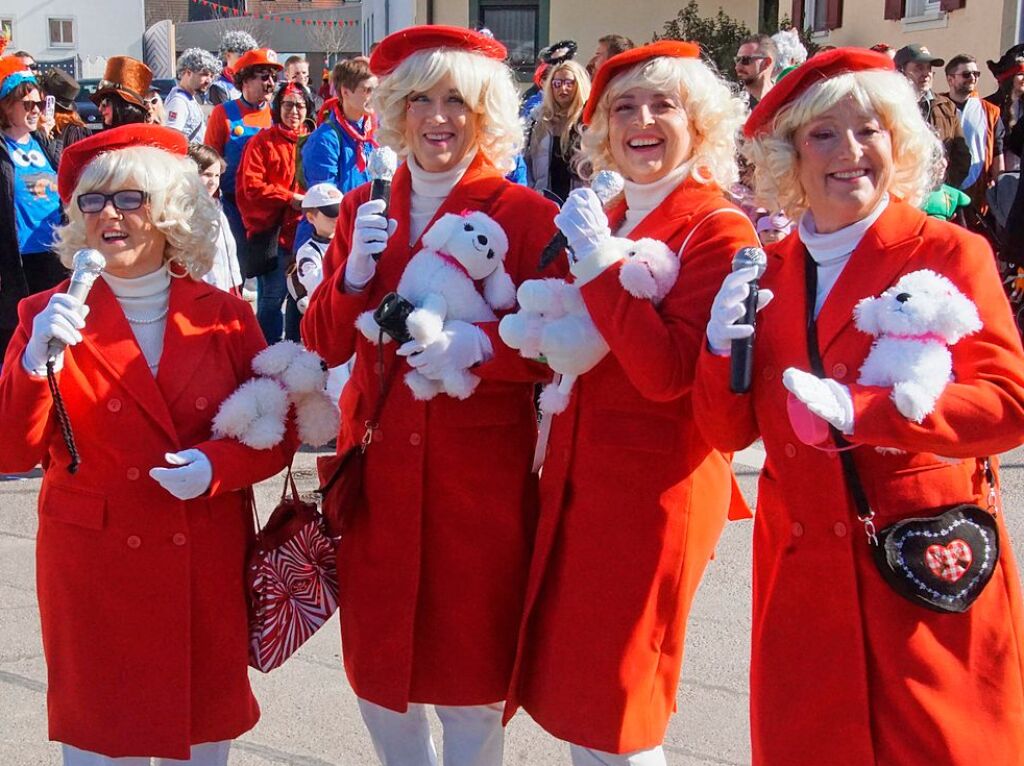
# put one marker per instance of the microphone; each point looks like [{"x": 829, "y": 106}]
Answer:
[
  {"x": 606, "y": 185},
  {"x": 381, "y": 165},
  {"x": 85, "y": 267},
  {"x": 742, "y": 351}
]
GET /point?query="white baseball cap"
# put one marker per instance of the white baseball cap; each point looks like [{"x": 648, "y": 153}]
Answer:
[{"x": 321, "y": 195}]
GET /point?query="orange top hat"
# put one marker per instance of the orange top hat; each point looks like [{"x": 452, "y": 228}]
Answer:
[{"x": 127, "y": 77}]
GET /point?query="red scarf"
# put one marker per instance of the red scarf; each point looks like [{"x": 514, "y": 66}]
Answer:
[
  {"x": 360, "y": 139},
  {"x": 1010, "y": 73}
]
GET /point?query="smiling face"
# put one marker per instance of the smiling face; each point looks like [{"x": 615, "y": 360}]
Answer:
[
  {"x": 259, "y": 87},
  {"x": 293, "y": 110},
  {"x": 23, "y": 114},
  {"x": 963, "y": 81},
  {"x": 440, "y": 129},
  {"x": 844, "y": 163},
  {"x": 649, "y": 134},
  {"x": 210, "y": 176},
  {"x": 128, "y": 239}
]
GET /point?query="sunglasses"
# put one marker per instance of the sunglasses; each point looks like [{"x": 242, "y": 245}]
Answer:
[
  {"x": 123, "y": 201},
  {"x": 292, "y": 105},
  {"x": 265, "y": 76},
  {"x": 331, "y": 211},
  {"x": 970, "y": 74},
  {"x": 748, "y": 60},
  {"x": 32, "y": 106},
  {"x": 559, "y": 83}
]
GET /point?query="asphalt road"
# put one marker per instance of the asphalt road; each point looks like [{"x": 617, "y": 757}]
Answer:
[{"x": 309, "y": 712}]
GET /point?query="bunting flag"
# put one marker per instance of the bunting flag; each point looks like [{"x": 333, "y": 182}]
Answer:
[{"x": 229, "y": 11}]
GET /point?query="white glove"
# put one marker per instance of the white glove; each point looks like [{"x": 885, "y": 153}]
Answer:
[
  {"x": 63, "y": 318},
  {"x": 190, "y": 480},
  {"x": 369, "y": 238},
  {"x": 459, "y": 346},
  {"x": 311, "y": 275},
  {"x": 829, "y": 399},
  {"x": 583, "y": 222},
  {"x": 728, "y": 307}
]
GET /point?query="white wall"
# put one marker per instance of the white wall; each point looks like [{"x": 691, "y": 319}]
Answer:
[
  {"x": 101, "y": 27},
  {"x": 382, "y": 17}
]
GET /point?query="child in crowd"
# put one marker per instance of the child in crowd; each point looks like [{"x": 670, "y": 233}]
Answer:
[
  {"x": 773, "y": 228},
  {"x": 225, "y": 273}
]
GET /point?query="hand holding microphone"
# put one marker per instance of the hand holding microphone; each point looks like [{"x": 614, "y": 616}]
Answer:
[
  {"x": 381, "y": 166},
  {"x": 369, "y": 239},
  {"x": 580, "y": 210}
]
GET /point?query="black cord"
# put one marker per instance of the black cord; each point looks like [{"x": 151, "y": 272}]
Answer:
[{"x": 62, "y": 417}]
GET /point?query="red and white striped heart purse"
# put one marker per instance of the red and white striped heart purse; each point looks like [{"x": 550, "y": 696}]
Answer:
[{"x": 292, "y": 580}]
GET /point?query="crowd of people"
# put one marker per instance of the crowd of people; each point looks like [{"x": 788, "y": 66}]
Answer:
[{"x": 534, "y": 540}]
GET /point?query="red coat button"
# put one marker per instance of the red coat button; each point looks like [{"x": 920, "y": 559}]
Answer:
[
  {"x": 178, "y": 538},
  {"x": 798, "y": 529},
  {"x": 839, "y": 528},
  {"x": 415, "y": 439},
  {"x": 132, "y": 473},
  {"x": 839, "y": 371},
  {"x": 790, "y": 450},
  {"x": 133, "y": 541},
  {"x": 114, "y": 405},
  {"x": 202, "y": 403}
]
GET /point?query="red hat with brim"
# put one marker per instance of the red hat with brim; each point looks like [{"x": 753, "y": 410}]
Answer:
[
  {"x": 398, "y": 46},
  {"x": 627, "y": 60},
  {"x": 258, "y": 57},
  {"x": 81, "y": 153},
  {"x": 819, "y": 68}
]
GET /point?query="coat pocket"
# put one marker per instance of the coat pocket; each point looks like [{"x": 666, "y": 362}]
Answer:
[{"x": 73, "y": 506}]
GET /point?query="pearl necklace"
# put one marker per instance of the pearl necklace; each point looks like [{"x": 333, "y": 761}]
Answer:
[{"x": 151, "y": 320}]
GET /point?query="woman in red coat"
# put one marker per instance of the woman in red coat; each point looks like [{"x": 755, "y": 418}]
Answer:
[
  {"x": 633, "y": 499},
  {"x": 433, "y": 565},
  {"x": 269, "y": 199},
  {"x": 844, "y": 669},
  {"x": 139, "y": 566}
]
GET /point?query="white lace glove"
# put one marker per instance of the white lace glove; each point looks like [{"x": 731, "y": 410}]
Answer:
[
  {"x": 583, "y": 222},
  {"x": 459, "y": 346},
  {"x": 190, "y": 479},
  {"x": 369, "y": 238},
  {"x": 62, "y": 318},
  {"x": 728, "y": 307},
  {"x": 829, "y": 399}
]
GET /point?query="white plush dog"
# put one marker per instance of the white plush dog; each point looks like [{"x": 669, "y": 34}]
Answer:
[
  {"x": 287, "y": 374},
  {"x": 440, "y": 280},
  {"x": 553, "y": 320},
  {"x": 915, "y": 322}
]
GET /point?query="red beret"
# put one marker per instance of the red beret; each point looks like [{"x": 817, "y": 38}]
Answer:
[
  {"x": 819, "y": 68},
  {"x": 627, "y": 59},
  {"x": 81, "y": 153},
  {"x": 398, "y": 46}
]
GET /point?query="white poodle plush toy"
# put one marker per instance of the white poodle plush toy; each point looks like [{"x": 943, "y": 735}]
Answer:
[
  {"x": 915, "y": 322},
  {"x": 286, "y": 375},
  {"x": 440, "y": 280}
]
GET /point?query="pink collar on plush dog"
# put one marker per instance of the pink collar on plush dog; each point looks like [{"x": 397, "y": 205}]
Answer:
[
  {"x": 928, "y": 337},
  {"x": 452, "y": 261}
]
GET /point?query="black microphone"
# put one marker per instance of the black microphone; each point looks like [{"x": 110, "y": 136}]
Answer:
[
  {"x": 743, "y": 348},
  {"x": 606, "y": 185},
  {"x": 85, "y": 267},
  {"x": 380, "y": 166}
]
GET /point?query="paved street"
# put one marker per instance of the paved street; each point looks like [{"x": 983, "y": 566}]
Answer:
[{"x": 309, "y": 713}]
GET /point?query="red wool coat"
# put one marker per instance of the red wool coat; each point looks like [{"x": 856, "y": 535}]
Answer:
[
  {"x": 843, "y": 670},
  {"x": 433, "y": 569},
  {"x": 266, "y": 183},
  {"x": 141, "y": 595},
  {"x": 633, "y": 499}
]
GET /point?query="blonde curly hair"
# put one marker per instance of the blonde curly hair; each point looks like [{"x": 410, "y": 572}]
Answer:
[
  {"x": 178, "y": 204},
  {"x": 712, "y": 107},
  {"x": 550, "y": 113},
  {"x": 918, "y": 160},
  {"x": 486, "y": 85}
]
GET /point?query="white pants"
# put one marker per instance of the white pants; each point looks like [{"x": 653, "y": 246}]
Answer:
[
  {"x": 206, "y": 754},
  {"x": 473, "y": 735},
  {"x": 583, "y": 756}
]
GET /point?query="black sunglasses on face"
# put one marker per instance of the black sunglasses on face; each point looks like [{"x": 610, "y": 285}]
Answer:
[
  {"x": 123, "y": 201},
  {"x": 265, "y": 76},
  {"x": 747, "y": 60}
]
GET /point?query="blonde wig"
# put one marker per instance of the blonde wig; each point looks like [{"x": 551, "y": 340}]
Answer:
[
  {"x": 714, "y": 112},
  {"x": 918, "y": 162},
  {"x": 179, "y": 205},
  {"x": 552, "y": 115},
  {"x": 486, "y": 85}
]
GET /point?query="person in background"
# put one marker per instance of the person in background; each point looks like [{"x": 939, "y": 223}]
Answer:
[
  {"x": 916, "y": 62},
  {"x": 233, "y": 45},
  {"x": 233, "y": 123},
  {"x": 27, "y": 59},
  {"x": 320, "y": 206},
  {"x": 224, "y": 273},
  {"x": 197, "y": 69},
  {"x": 792, "y": 52},
  {"x": 269, "y": 198},
  {"x": 983, "y": 131},
  {"x": 144, "y": 548},
  {"x": 755, "y": 66},
  {"x": 1009, "y": 96},
  {"x": 607, "y": 46},
  {"x": 554, "y": 128},
  {"x": 156, "y": 114},
  {"x": 296, "y": 69},
  {"x": 773, "y": 228},
  {"x": 29, "y": 204},
  {"x": 120, "y": 96},
  {"x": 68, "y": 125}
]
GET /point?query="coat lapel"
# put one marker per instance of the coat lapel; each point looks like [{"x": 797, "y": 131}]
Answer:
[{"x": 192, "y": 321}]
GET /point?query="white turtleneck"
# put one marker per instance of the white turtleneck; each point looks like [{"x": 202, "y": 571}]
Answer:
[
  {"x": 144, "y": 301},
  {"x": 429, "y": 191},
  {"x": 832, "y": 251},
  {"x": 641, "y": 199}
]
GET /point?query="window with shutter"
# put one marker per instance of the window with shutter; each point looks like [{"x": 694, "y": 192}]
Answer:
[
  {"x": 894, "y": 10},
  {"x": 952, "y": 5},
  {"x": 833, "y": 14}
]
